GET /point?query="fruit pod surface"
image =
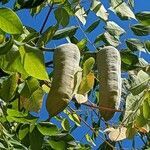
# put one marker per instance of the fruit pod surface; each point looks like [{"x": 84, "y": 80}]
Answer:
[
  {"x": 109, "y": 74},
  {"x": 66, "y": 63}
]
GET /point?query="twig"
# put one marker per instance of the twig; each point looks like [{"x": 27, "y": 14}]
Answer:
[
  {"x": 48, "y": 63},
  {"x": 92, "y": 129},
  {"x": 46, "y": 18},
  {"x": 101, "y": 107},
  {"x": 85, "y": 34},
  {"x": 47, "y": 49}
]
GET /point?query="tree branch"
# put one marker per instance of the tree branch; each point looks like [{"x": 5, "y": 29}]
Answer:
[
  {"x": 46, "y": 18},
  {"x": 92, "y": 129}
]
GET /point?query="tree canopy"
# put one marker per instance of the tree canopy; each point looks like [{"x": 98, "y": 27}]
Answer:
[{"x": 26, "y": 77}]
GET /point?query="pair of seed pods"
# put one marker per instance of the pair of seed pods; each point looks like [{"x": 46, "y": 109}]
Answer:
[{"x": 66, "y": 64}]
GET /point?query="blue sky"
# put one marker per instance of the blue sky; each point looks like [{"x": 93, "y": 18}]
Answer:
[{"x": 36, "y": 22}]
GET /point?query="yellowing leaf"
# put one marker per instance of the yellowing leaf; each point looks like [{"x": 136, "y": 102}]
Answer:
[
  {"x": 86, "y": 84},
  {"x": 33, "y": 103},
  {"x": 146, "y": 109},
  {"x": 117, "y": 134},
  {"x": 88, "y": 65}
]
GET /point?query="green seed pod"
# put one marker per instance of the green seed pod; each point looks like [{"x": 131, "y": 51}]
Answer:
[
  {"x": 109, "y": 74},
  {"x": 66, "y": 64}
]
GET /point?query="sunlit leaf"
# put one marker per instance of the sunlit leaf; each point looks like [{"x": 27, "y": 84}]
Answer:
[
  {"x": 82, "y": 44},
  {"x": 99, "y": 10},
  {"x": 47, "y": 128},
  {"x": 122, "y": 9},
  {"x": 33, "y": 62},
  {"x": 10, "y": 22},
  {"x": 88, "y": 65},
  {"x": 140, "y": 82},
  {"x": 81, "y": 14},
  {"x": 65, "y": 124},
  {"x": 133, "y": 103},
  {"x": 108, "y": 39},
  {"x": 146, "y": 109},
  {"x": 89, "y": 139},
  {"x": 114, "y": 29},
  {"x": 81, "y": 98},
  {"x": 74, "y": 117},
  {"x": 117, "y": 134},
  {"x": 86, "y": 84}
]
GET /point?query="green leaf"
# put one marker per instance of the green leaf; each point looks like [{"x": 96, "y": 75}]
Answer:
[
  {"x": 2, "y": 146},
  {"x": 89, "y": 139},
  {"x": 81, "y": 14},
  {"x": 122, "y": 9},
  {"x": 74, "y": 117},
  {"x": 147, "y": 45},
  {"x": 129, "y": 60},
  {"x": 10, "y": 22},
  {"x": 31, "y": 37},
  {"x": 8, "y": 87},
  {"x": 82, "y": 44},
  {"x": 62, "y": 16},
  {"x": 135, "y": 44},
  {"x": 144, "y": 17},
  {"x": 11, "y": 62},
  {"x": 57, "y": 145},
  {"x": 141, "y": 30},
  {"x": 30, "y": 86},
  {"x": 65, "y": 124},
  {"x": 99, "y": 9},
  {"x": 23, "y": 131},
  {"x": 114, "y": 29},
  {"x": 88, "y": 65},
  {"x": 140, "y": 121},
  {"x": 47, "y": 128},
  {"x": 5, "y": 47},
  {"x": 133, "y": 103},
  {"x": 33, "y": 61},
  {"x": 36, "y": 139},
  {"x": 62, "y": 33},
  {"x": 146, "y": 109},
  {"x": 140, "y": 83},
  {"x": 93, "y": 26},
  {"x": 47, "y": 36}
]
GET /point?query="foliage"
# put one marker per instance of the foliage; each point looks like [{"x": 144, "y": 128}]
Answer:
[{"x": 24, "y": 79}]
